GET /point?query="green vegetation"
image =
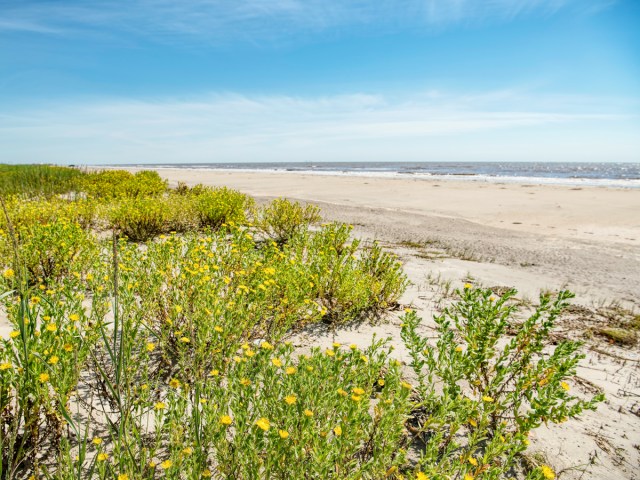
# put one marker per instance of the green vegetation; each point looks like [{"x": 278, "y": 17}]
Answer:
[
  {"x": 149, "y": 341},
  {"x": 37, "y": 180},
  {"x": 281, "y": 220},
  {"x": 513, "y": 387}
]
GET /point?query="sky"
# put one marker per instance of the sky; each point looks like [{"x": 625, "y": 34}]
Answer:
[{"x": 198, "y": 81}]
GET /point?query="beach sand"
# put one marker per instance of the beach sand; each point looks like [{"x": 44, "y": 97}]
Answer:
[{"x": 531, "y": 237}]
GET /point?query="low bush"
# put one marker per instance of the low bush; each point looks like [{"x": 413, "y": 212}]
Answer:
[
  {"x": 480, "y": 392},
  {"x": 281, "y": 219},
  {"x": 140, "y": 219},
  {"x": 48, "y": 252},
  {"x": 119, "y": 184},
  {"x": 215, "y": 207}
]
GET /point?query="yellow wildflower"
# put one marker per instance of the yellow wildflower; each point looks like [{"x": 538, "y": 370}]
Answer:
[
  {"x": 421, "y": 476},
  {"x": 8, "y": 273},
  {"x": 187, "y": 451},
  {"x": 290, "y": 399},
  {"x": 74, "y": 317},
  {"x": 160, "y": 406},
  {"x": 277, "y": 362},
  {"x": 342, "y": 392},
  {"x": 174, "y": 383},
  {"x": 565, "y": 386},
  {"x": 473, "y": 461},
  {"x": 5, "y": 366},
  {"x": 123, "y": 476},
  {"x": 266, "y": 346},
  {"x": 467, "y": 286},
  {"x": 53, "y": 360},
  {"x": 547, "y": 472},
  {"x": 102, "y": 457},
  {"x": 308, "y": 413},
  {"x": 68, "y": 347},
  {"x": 356, "y": 398},
  {"x": 51, "y": 327},
  {"x": 358, "y": 391},
  {"x": 245, "y": 381},
  {"x": 166, "y": 464},
  {"x": 283, "y": 434},
  {"x": 329, "y": 352},
  {"x": 14, "y": 334},
  {"x": 214, "y": 373},
  {"x": 406, "y": 385},
  {"x": 486, "y": 398},
  {"x": 218, "y": 329},
  {"x": 263, "y": 424},
  {"x": 225, "y": 420},
  {"x": 151, "y": 347},
  {"x": 206, "y": 473},
  {"x": 96, "y": 441},
  {"x": 291, "y": 370},
  {"x": 43, "y": 377},
  {"x": 337, "y": 431}
]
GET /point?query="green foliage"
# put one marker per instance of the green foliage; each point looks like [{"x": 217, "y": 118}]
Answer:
[
  {"x": 119, "y": 184},
  {"x": 480, "y": 392},
  {"x": 349, "y": 285},
  {"x": 215, "y": 207},
  {"x": 49, "y": 251},
  {"x": 140, "y": 219},
  {"x": 37, "y": 180},
  {"x": 281, "y": 219},
  {"x": 23, "y": 213}
]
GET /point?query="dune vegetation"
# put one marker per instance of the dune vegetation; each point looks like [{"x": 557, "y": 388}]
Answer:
[{"x": 150, "y": 332}]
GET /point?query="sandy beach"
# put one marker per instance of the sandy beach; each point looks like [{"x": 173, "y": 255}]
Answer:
[{"x": 534, "y": 238}]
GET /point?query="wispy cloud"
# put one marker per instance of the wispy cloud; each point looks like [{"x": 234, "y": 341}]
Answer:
[
  {"x": 233, "y": 127},
  {"x": 257, "y": 20}
]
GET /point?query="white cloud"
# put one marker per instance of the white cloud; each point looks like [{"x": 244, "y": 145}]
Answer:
[
  {"x": 354, "y": 127},
  {"x": 259, "y": 20}
]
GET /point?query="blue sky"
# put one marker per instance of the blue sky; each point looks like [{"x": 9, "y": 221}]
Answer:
[{"x": 284, "y": 80}]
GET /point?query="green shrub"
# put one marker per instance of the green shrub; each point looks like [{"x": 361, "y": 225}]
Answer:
[
  {"x": 348, "y": 284},
  {"x": 49, "y": 252},
  {"x": 480, "y": 392},
  {"x": 140, "y": 219},
  {"x": 27, "y": 213},
  {"x": 218, "y": 206},
  {"x": 120, "y": 184},
  {"x": 281, "y": 219}
]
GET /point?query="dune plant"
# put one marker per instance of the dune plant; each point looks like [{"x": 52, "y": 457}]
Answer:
[
  {"x": 140, "y": 219},
  {"x": 281, "y": 219},
  {"x": 38, "y": 180},
  {"x": 119, "y": 184},
  {"x": 480, "y": 391},
  {"x": 215, "y": 207}
]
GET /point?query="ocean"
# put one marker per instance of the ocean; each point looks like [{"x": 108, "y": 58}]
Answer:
[{"x": 624, "y": 175}]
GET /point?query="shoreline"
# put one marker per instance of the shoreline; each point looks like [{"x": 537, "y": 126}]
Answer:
[{"x": 581, "y": 182}]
